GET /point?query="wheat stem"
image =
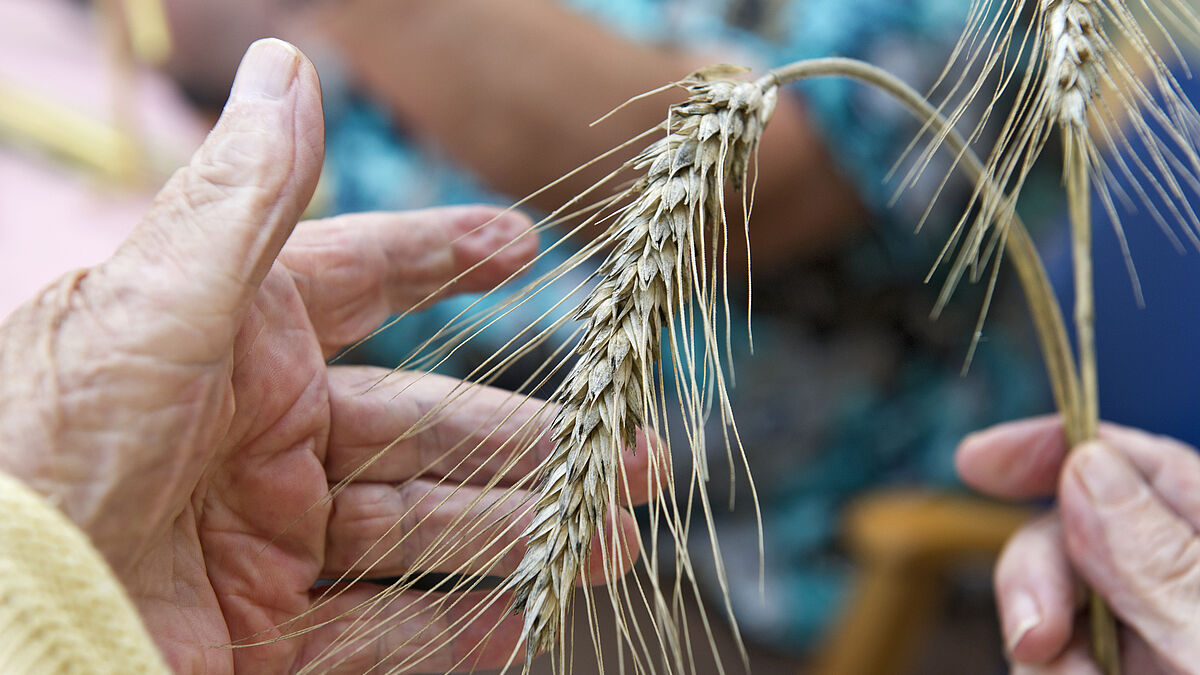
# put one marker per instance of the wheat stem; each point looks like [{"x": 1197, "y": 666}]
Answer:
[
  {"x": 1105, "y": 647},
  {"x": 1070, "y": 79},
  {"x": 1079, "y": 208}
]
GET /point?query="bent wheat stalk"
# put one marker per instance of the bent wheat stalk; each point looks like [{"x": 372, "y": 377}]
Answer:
[
  {"x": 648, "y": 279},
  {"x": 1039, "y": 294}
]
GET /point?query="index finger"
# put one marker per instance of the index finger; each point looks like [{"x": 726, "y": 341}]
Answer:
[
  {"x": 1036, "y": 592},
  {"x": 389, "y": 427},
  {"x": 355, "y": 269},
  {"x": 1015, "y": 460},
  {"x": 1023, "y": 459}
]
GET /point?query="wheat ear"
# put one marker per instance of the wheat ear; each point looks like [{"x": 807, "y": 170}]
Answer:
[{"x": 646, "y": 282}]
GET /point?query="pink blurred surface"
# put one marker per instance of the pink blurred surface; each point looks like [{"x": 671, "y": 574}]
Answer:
[
  {"x": 52, "y": 222},
  {"x": 54, "y": 217}
]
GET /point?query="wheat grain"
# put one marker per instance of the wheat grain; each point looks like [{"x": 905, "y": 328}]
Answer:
[
  {"x": 648, "y": 279},
  {"x": 1070, "y": 63}
]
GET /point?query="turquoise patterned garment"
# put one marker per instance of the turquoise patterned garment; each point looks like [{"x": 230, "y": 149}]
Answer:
[{"x": 850, "y": 386}]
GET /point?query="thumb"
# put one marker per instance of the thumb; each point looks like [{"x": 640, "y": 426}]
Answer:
[
  {"x": 1140, "y": 554},
  {"x": 216, "y": 227}
]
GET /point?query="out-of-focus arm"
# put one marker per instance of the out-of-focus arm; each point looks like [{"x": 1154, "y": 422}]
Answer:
[{"x": 509, "y": 88}]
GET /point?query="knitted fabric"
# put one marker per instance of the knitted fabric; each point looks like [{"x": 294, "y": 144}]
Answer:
[{"x": 62, "y": 610}]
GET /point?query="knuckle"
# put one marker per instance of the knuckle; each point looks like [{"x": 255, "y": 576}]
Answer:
[
  {"x": 244, "y": 150},
  {"x": 414, "y": 504},
  {"x": 360, "y": 527},
  {"x": 339, "y": 274},
  {"x": 1031, "y": 544},
  {"x": 1173, "y": 566}
]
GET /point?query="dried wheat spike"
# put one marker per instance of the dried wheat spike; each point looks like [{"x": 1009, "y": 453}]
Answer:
[{"x": 647, "y": 280}]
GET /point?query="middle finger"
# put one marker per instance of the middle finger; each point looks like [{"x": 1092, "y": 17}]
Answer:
[
  {"x": 389, "y": 428},
  {"x": 380, "y": 530},
  {"x": 1036, "y": 592}
]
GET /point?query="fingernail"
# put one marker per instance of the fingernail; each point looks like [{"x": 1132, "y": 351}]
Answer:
[
  {"x": 1021, "y": 615},
  {"x": 971, "y": 439},
  {"x": 267, "y": 70},
  {"x": 1106, "y": 476}
]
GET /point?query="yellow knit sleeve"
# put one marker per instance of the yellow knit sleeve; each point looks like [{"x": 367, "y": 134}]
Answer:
[{"x": 61, "y": 608}]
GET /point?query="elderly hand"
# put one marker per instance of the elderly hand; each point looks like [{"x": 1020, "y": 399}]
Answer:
[
  {"x": 175, "y": 401},
  {"x": 1127, "y": 523}
]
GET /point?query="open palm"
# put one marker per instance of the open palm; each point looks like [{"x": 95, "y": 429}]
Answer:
[{"x": 186, "y": 419}]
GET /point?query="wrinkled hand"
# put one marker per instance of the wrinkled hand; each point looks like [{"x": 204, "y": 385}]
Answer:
[
  {"x": 175, "y": 402},
  {"x": 1127, "y": 523}
]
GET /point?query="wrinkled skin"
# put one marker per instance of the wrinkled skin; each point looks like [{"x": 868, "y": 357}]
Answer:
[
  {"x": 175, "y": 401},
  {"x": 1127, "y": 523}
]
